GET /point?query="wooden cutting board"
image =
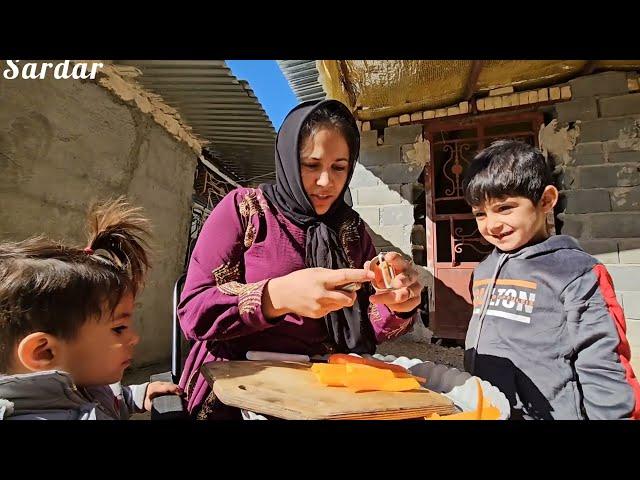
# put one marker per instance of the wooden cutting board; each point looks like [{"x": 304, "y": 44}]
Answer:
[{"x": 291, "y": 391}]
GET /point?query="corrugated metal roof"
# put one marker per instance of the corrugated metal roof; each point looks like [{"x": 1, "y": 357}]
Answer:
[
  {"x": 219, "y": 108},
  {"x": 302, "y": 76}
]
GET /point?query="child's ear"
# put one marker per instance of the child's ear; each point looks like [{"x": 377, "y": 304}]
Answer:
[
  {"x": 37, "y": 352},
  {"x": 549, "y": 198}
]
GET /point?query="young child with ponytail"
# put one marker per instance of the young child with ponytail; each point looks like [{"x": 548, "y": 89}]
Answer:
[{"x": 66, "y": 327}]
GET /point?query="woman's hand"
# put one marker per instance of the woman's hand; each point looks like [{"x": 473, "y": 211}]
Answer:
[
  {"x": 405, "y": 295},
  {"x": 311, "y": 292}
]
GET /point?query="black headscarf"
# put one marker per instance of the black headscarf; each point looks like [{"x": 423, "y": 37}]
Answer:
[{"x": 349, "y": 328}]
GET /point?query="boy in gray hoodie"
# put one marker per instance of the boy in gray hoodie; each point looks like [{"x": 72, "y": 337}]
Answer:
[
  {"x": 66, "y": 333},
  {"x": 546, "y": 329}
]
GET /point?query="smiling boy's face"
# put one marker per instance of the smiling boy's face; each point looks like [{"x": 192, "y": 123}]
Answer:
[{"x": 509, "y": 223}]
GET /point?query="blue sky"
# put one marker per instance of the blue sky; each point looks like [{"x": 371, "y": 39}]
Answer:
[{"x": 269, "y": 85}]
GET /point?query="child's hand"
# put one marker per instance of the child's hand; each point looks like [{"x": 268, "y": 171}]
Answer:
[{"x": 157, "y": 389}]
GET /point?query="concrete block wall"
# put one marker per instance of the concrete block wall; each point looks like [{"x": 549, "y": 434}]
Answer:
[
  {"x": 64, "y": 143},
  {"x": 384, "y": 187},
  {"x": 384, "y": 183},
  {"x": 601, "y": 183}
]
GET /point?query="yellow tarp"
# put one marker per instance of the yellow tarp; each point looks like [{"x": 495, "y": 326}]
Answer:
[{"x": 384, "y": 88}]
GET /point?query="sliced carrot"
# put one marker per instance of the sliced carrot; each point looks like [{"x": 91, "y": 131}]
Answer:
[
  {"x": 408, "y": 375},
  {"x": 331, "y": 375},
  {"x": 401, "y": 385},
  {"x": 364, "y": 377},
  {"x": 339, "y": 358},
  {"x": 360, "y": 377}
]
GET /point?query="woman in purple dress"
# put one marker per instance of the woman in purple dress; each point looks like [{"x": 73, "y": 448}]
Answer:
[{"x": 267, "y": 268}]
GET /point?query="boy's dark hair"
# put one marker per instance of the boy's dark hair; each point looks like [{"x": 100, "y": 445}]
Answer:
[
  {"x": 507, "y": 167},
  {"x": 49, "y": 287}
]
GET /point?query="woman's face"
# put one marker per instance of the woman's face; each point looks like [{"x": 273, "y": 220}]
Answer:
[{"x": 324, "y": 167}]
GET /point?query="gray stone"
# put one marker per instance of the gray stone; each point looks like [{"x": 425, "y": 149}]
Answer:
[
  {"x": 396, "y": 215},
  {"x": 612, "y": 146},
  {"x": 408, "y": 192},
  {"x": 633, "y": 335},
  {"x": 577, "y": 109},
  {"x": 615, "y": 225},
  {"x": 383, "y": 155},
  {"x": 370, "y": 215},
  {"x": 629, "y": 251},
  {"x": 589, "y": 159},
  {"x": 397, "y": 235},
  {"x": 369, "y": 139},
  {"x": 604, "y": 250},
  {"x": 619, "y": 106},
  {"x": 379, "y": 242},
  {"x": 623, "y": 175},
  {"x": 418, "y": 235},
  {"x": 400, "y": 173},
  {"x": 571, "y": 225},
  {"x": 625, "y": 278},
  {"x": 625, "y": 157},
  {"x": 394, "y": 238},
  {"x": 364, "y": 177},
  {"x": 632, "y": 305},
  {"x": 587, "y": 201},
  {"x": 607, "y": 83},
  {"x": 379, "y": 195},
  {"x": 625, "y": 199},
  {"x": 402, "y": 134},
  {"x": 376, "y": 171},
  {"x": 568, "y": 178},
  {"x": 604, "y": 129},
  {"x": 590, "y": 148}
]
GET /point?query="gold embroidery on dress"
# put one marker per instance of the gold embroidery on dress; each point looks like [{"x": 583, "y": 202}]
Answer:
[
  {"x": 227, "y": 272},
  {"x": 249, "y": 295},
  {"x": 251, "y": 205},
  {"x": 348, "y": 234},
  {"x": 374, "y": 313},
  {"x": 191, "y": 383},
  {"x": 249, "y": 235},
  {"x": 207, "y": 409}
]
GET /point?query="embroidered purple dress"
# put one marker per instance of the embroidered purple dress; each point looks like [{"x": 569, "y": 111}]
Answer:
[{"x": 244, "y": 243}]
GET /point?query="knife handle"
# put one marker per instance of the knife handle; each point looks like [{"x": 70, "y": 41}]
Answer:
[{"x": 285, "y": 357}]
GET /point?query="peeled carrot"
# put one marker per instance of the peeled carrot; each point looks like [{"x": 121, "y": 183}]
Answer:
[
  {"x": 401, "y": 385},
  {"x": 372, "y": 362},
  {"x": 363, "y": 377},
  {"x": 331, "y": 375},
  {"x": 343, "y": 358},
  {"x": 360, "y": 377},
  {"x": 408, "y": 375}
]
